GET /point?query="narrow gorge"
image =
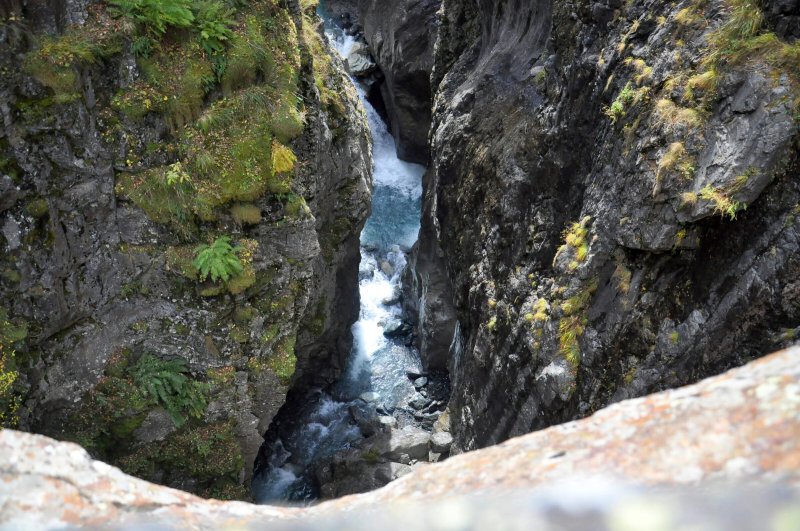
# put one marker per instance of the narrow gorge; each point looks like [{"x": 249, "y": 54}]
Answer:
[{"x": 287, "y": 251}]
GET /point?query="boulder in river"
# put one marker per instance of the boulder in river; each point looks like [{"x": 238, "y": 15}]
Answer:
[
  {"x": 369, "y": 396},
  {"x": 359, "y": 61},
  {"x": 410, "y": 441}
]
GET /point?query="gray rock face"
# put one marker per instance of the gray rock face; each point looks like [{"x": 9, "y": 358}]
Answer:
[
  {"x": 588, "y": 209},
  {"x": 92, "y": 272},
  {"x": 401, "y": 36}
]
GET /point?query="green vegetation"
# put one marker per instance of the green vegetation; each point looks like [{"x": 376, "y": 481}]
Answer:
[
  {"x": 9, "y": 399},
  {"x": 233, "y": 150},
  {"x": 573, "y": 323},
  {"x": 743, "y": 38},
  {"x": 283, "y": 361},
  {"x": 575, "y": 240},
  {"x": 56, "y": 61},
  {"x": 671, "y": 116},
  {"x": 218, "y": 261},
  {"x": 246, "y": 214},
  {"x": 209, "y": 454},
  {"x": 723, "y": 204},
  {"x": 128, "y": 390},
  {"x": 165, "y": 382}
]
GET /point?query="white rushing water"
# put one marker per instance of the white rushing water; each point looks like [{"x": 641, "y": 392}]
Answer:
[{"x": 377, "y": 364}]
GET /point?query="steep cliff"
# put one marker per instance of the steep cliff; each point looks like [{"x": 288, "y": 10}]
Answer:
[
  {"x": 614, "y": 191},
  {"x": 125, "y": 145}
]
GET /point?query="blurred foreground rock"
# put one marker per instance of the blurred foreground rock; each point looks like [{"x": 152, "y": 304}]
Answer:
[{"x": 737, "y": 436}]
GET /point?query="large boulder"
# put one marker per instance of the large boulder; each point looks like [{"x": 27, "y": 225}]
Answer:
[{"x": 742, "y": 428}]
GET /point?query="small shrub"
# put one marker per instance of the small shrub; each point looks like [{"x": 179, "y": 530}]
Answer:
[
  {"x": 218, "y": 261},
  {"x": 175, "y": 174}
]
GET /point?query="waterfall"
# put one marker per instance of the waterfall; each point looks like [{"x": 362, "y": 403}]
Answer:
[{"x": 377, "y": 364}]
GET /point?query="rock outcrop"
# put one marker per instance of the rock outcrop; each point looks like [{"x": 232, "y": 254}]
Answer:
[
  {"x": 741, "y": 428},
  {"x": 113, "y": 169},
  {"x": 614, "y": 196},
  {"x": 401, "y": 36}
]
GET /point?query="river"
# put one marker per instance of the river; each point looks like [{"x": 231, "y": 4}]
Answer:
[{"x": 377, "y": 364}]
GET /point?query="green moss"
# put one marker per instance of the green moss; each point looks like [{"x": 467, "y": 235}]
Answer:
[
  {"x": 270, "y": 333},
  {"x": 221, "y": 377},
  {"x": 282, "y": 361},
  {"x": 56, "y": 61},
  {"x": 37, "y": 208},
  {"x": 246, "y": 214},
  {"x": 179, "y": 260},
  {"x": 243, "y": 315}
]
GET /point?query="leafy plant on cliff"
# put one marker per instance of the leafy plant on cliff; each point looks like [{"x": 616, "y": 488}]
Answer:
[
  {"x": 166, "y": 382},
  {"x": 155, "y": 16},
  {"x": 213, "y": 23},
  {"x": 218, "y": 261}
]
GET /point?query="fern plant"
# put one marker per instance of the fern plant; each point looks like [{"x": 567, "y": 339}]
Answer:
[
  {"x": 155, "y": 16},
  {"x": 218, "y": 261},
  {"x": 213, "y": 21},
  {"x": 166, "y": 382}
]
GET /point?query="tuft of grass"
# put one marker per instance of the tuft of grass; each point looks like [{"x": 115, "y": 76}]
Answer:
[
  {"x": 671, "y": 116},
  {"x": 573, "y": 323},
  {"x": 723, "y": 204},
  {"x": 688, "y": 199},
  {"x": 56, "y": 61},
  {"x": 575, "y": 239},
  {"x": 742, "y": 38},
  {"x": 674, "y": 158}
]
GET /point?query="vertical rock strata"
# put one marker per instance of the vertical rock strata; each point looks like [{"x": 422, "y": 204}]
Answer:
[
  {"x": 116, "y": 162},
  {"x": 614, "y": 190}
]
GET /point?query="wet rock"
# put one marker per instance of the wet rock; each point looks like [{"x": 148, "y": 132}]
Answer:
[
  {"x": 370, "y": 396},
  {"x": 402, "y": 35},
  {"x": 396, "y": 328},
  {"x": 365, "y": 418},
  {"x": 419, "y": 402},
  {"x": 155, "y": 427},
  {"x": 387, "y": 421},
  {"x": 635, "y": 234},
  {"x": 414, "y": 374},
  {"x": 359, "y": 60},
  {"x": 387, "y": 268},
  {"x": 420, "y": 382}
]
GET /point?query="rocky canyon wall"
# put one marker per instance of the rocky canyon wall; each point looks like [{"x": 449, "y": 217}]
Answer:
[
  {"x": 614, "y": 190},
  {"x": 120, "y": 153},
  {"x": 612, "y": 205}
]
